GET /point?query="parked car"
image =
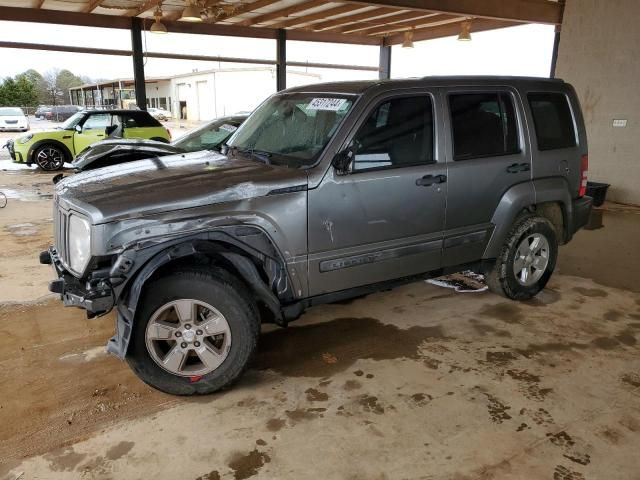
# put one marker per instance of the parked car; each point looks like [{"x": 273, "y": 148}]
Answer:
[
  {"x": 42, "y": 110},
  {"x": 51, "y": 149},
  {"x": 159, "y": 113},
  {"x": 13, "y": 118},
  {"x": 210, "y": 136},
  {"x": 327, "y": 192},
  {"x": 61, "y": 113}
]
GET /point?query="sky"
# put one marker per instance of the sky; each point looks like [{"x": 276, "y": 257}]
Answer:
[{"x": 522, "y": 50}]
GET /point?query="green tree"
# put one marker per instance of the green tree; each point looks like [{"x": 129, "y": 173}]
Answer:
[
  {"x": 18, "y": 92},
  {"x": 58, "y": 83},
  {"x": 40, "y": 85}
]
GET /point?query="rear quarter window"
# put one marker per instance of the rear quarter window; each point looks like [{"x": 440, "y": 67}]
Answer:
[
  {"x": 553, "y": 120},
  {"x": 139, "y": 120}
]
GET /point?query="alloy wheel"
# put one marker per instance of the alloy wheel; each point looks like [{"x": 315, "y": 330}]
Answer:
[
  {"x": 531, "y": 259},
  {"x": 188, "y": 338}
]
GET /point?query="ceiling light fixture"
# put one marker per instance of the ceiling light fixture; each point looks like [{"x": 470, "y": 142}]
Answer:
[
  {"x": 158, "y": 26},
  {"x": 408, "y": 39},
  {"x": 191, "y": 13},
  {"x": 465, "y": 31}
]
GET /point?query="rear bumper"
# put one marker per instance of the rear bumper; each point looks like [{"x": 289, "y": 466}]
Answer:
[
  {"x": 581, "y": 212},
  {"x": 96, "y": 299}
]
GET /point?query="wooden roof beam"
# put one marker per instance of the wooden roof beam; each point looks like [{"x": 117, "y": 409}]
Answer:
[
  {"x": 520, "y": 11},
  {"x": 148, "y": 5},
  {"x": 452, "y": 29},
  {"x": 91, "y": 6},
  {"x": 416, "y": 24},
  {"x": 314, "y": 17},
  {"x": 380, "y": 13},
  {"x": 283, "y": 12},
  {"x": 244, "y": 8},
  {"x": 400, "y": 17}
]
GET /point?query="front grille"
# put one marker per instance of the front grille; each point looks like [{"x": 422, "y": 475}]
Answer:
[
  {"x": 62, "y": 247},
  {"x": 11, "y": 122}
]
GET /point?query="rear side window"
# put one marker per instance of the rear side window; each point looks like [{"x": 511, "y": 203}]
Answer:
[
  {"x": 553, "y": 120},
  {"x": 483, "y": 124},
  {"x": 138, "y": 120},
  {"x": 397, "y": 133}
]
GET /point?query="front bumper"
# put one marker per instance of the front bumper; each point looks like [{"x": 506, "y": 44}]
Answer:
[
  {"x": 96, "y": 297},
  {"x": 581, "y": 212}
]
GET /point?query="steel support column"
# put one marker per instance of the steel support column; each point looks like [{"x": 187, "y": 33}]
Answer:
[
  {"x": 385, "y": 62},
  {"x": 554, "y": 53},
  {"x": 281, "y": 59},
  {"x": 138, "y": 63}
]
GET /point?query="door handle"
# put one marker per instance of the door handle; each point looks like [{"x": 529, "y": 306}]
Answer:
[
  {"x": 430, "y": 180},
  {"x": 518, "y": 167},
  {"x": 99, "y": 135}
]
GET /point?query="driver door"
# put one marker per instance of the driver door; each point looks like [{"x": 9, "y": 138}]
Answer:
[
  {"x": 384, "y": 219},
  {"x": 92, "y": 131}
]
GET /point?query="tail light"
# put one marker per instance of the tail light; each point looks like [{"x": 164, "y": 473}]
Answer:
[
  {"x": 168, "y": 133},
  {"x": 584, "y": 168}
]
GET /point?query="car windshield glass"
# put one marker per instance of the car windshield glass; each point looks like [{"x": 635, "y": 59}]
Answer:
[
  {"x": 208, "y": 137},
  {"x": 72, "y": 121},
  {"x": 10, "y": 112},
  {"x": 292, "y": 129}
]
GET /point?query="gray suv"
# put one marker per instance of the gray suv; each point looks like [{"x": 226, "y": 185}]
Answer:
[{"x": 326, "y": 192}]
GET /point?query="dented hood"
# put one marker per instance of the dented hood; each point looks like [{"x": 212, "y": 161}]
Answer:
[{"x": 146, "y": 187}]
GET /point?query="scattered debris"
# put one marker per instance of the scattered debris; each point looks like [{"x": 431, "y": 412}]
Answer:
[{"x": 463, "y": 282}]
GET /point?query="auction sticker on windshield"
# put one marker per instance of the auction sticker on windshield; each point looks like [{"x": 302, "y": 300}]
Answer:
[{"x": 331, "y": 104}]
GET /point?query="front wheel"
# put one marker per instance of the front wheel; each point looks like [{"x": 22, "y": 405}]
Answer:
[
  {"x": 49, "y": 158},
  {"x": 194, "y": 333},
  {"x": 526, "y": 260}
]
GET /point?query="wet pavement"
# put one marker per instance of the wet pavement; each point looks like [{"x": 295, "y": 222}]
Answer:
[{"x": 421, "y": 382}]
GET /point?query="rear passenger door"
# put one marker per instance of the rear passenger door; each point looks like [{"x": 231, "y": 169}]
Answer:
[{"x": 487, "y": 154}]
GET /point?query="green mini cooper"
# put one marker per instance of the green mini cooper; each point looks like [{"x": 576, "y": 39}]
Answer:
[{"x": 50, "y": 149}]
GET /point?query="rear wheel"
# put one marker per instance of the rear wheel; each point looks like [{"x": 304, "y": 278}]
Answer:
[
  {"x": 526, "y": 260},
  {"x": 194, "y": 332},
  {"x": 49, "y": 157}
]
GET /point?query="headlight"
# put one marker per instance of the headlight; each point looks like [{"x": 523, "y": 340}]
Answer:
[
  {"x": 25, "y": 138},
  {"x": 79, "y": 243}
]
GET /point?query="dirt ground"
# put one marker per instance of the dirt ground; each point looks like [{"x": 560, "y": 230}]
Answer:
[{"x": 420, "y": 382}]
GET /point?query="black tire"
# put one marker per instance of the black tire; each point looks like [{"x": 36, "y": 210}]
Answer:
[
  {"x": 501, "y": 279},
  {"x": 50, "y": 157},
  {"x": 218, "y": 288}
]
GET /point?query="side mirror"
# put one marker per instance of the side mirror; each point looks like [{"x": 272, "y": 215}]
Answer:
[
  {"x": 342, "y": 161},
  {"x": 78, "y": 129},
  {"x": 110, "y": 129}
]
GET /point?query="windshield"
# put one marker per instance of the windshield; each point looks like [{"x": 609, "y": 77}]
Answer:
[
  {"x": 72, "y": 121},
  {"x": 11, "y": 112},
  {"x": 209, "y": 136},
  {"x": 292, "y": 128}
]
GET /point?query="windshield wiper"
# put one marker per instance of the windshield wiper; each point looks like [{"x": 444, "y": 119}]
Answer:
[{"x": 260, "y": 155}]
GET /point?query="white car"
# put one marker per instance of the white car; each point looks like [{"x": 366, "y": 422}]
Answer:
[
  {"x": 159, "y": 113},
  {"x": 13, "y": 118}
]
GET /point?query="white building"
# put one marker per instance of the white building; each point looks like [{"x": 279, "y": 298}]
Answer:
[{"x": 197, "y": 96}]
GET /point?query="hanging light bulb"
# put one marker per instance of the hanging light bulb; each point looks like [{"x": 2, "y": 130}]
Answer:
[
  {"x": 465, "y": 31},
  {"x": 191, "y": 13},
  {"x": 158, "y": 26},
  {"x": 408, "y": 39}
]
